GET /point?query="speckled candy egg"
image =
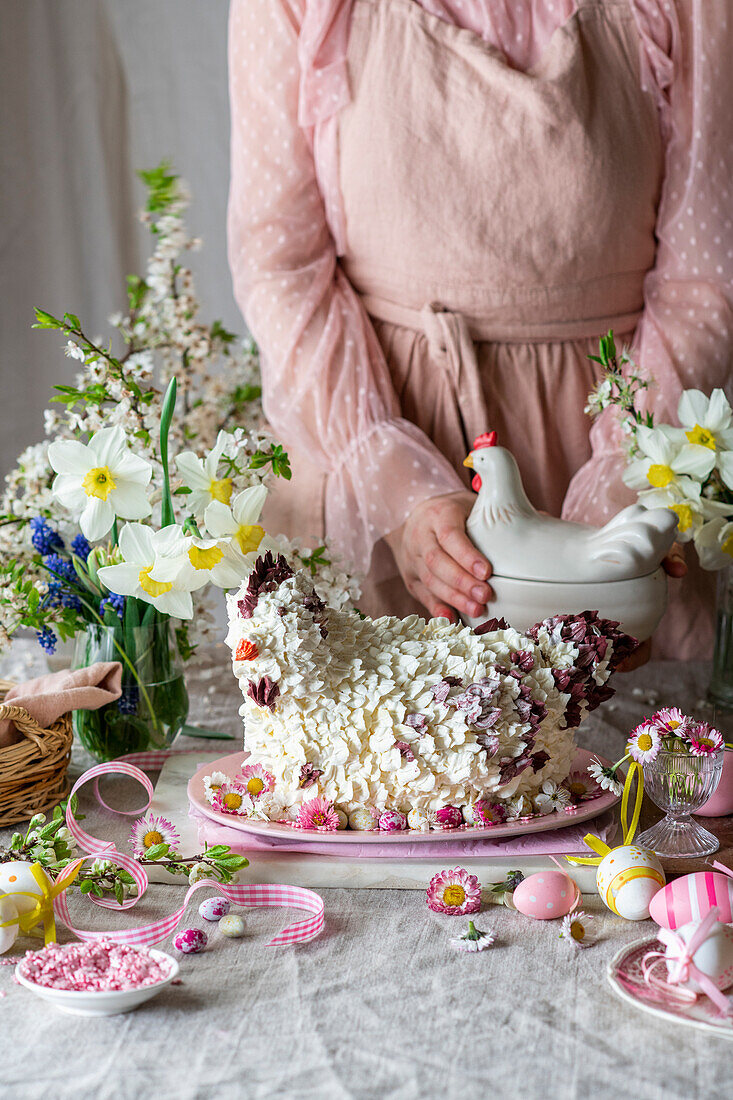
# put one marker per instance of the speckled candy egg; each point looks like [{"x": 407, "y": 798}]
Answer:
[
  {"x": 8, "y": 912},
  {"x": 214, "y": 908},
  {"x": 448, "y": 817},
  {"x": 392, "y": 821},
  {"x": 342, "y": 816},
  {"x": 17, "y": 876},
  {"x": 692, "y": 897},
  {"x": 190, "y": 941},
  {"x": 364, "y": 818},
  {"x": 627, "y": 879},
  {"x": 713, "y": 957},
  {"x": 422, "y": 820},
  {"x": 545, "y": 895},
  {"x": 233, "y": 925}
]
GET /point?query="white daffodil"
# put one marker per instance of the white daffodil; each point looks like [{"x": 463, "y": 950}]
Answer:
[
  {"x": 691, "y": 513},
  {"x": 199, "y": 475},
  {"x": 707, "y": 420},
  {"x": 143, "y": 549},
  {"x": 669, "y": 461},
  {"x": 714, "y": 543},
  {"x": 100, "y": 480},
  {"x": 238, "y": 522},
  {"x": 201, "y": 562}
]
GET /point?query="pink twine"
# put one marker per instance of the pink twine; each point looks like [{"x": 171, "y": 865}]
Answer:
[
  {"x": 681, "y": 957},
  {"x": 255, "y": 896}
]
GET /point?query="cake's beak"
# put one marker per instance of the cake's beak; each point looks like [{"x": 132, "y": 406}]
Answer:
[{"x": 468, "y": 461}]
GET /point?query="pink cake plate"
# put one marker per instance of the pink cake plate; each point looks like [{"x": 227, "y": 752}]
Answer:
[
  {"x": 627, "y": 981},
  {"x": 230, "y": 765}
]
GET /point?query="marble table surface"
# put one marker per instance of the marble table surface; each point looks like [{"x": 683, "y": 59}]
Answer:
[{"x": 380, "y": 1006}]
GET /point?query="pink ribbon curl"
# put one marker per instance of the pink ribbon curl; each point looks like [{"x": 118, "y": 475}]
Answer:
[
  {"x": 254, "y": 896},
  {"x": 681, "y": 964}
]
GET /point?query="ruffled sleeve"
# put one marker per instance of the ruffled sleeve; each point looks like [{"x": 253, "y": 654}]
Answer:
[
  {"x": 685, "y": 336},
  {"x": 327, "y": 388}
]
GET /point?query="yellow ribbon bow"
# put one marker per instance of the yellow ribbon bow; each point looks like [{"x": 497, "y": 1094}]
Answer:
[
  {"x": 42, "y": 911},
  {"x": 629, "y": 827}
]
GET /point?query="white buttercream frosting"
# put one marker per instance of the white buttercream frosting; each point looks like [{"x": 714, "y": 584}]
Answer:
[{"x": 355, "y": 700}]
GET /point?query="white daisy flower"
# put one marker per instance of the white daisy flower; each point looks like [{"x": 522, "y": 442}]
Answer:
[
  {"x": 473, "y": 939},
  {"x": 575, "y": 929},
  {"x": 199, "y": 475},
  {"x": 100, "y": 481},
  {"x": 142, "y": 549},
  {"x": 605, "y": 777},
  {"x": 212, "y": 783}
]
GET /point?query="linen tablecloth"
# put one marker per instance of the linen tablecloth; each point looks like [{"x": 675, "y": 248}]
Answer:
[{"x": 380, "y": 1006}]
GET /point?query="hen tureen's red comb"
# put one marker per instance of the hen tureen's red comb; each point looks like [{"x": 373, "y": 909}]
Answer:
[{"x": 488, "y": 439}]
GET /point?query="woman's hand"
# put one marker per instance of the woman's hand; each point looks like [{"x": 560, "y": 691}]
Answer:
[
  {"x": 439, "y": 564},
  {"x": 674, "y": 565}
]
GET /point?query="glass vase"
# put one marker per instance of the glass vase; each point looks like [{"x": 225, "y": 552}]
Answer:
[
  {"x": 153, "y": 706},
  {"x": 679, "y": 784},
  {"x": 720, "y": 691}
]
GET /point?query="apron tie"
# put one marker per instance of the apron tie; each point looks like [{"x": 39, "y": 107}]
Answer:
[{"x": 451, "y": 347}]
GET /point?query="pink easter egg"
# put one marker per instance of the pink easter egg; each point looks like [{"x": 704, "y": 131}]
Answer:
[
  {"x": 545, "y": 895},
  {"x": 691, "y": 898}
]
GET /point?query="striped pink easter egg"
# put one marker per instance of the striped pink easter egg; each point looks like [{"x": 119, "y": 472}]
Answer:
[{"x": 691, "y": 898}]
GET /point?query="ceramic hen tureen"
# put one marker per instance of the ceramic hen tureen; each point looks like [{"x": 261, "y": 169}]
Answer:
[{"x": 544, "y": 566}]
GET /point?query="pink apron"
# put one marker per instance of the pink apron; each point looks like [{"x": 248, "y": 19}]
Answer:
[{"x": 497, "y": 223}]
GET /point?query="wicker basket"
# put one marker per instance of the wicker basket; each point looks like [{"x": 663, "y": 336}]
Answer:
[{"x": 33, "y": 770}]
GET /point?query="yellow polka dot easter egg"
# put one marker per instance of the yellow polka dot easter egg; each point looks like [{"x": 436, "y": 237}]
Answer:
[{"x": 627, "y": 880}]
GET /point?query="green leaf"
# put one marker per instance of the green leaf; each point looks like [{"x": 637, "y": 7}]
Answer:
[
  {"x": 218, "y": 332},
  {"x": 86, "y": 886},
  {"x": 218, "y": 850},
  {"x": 167, "y": 515},
  {"x": 72, "y": 321},
  {"x": 97, "y": 890},
  {"x": 137, "y": 288},
  {"x": 119, "y": 892},
  {"x": 46, "y": 320},
  {"x": 157, "y": 851}
]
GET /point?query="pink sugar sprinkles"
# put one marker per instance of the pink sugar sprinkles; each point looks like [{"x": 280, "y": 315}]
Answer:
[{"x": 98, "y": 966}]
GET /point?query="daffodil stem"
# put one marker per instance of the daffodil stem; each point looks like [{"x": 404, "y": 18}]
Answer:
[{"x": 167, "y": 515}]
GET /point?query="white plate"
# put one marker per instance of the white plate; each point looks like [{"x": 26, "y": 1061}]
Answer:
[
  {"x": 231, "y": 764},
  {"x": 111, "y": 1002},
  {"x": 627, "y": 981}
]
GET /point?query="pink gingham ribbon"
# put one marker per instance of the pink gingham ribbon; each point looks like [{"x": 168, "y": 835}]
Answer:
[
  {"x": 254, "y": 896},
  {"x": 680, "y": 959}
]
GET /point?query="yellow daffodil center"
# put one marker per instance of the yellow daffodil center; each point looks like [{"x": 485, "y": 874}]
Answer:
[
  {"x": 232, "y": 800},
  {"x": 255, "y": 785},
  {"x": 659, "y": 475},
  {"x": 454, "y": 895},
  {"x": 577, "y": 788},
  {"x": 727, "y": 546},
  {"x": 249, "y": 537},
  {"x": 644, "y": 742},
  {"x": 152, "y": 838},
  {"x": 684, "y": 514},
  {"x": 221, "y": 490},
  {"x": 99, "y": 482},
  {"x": 577, "y": 931},
  {"x": 205, "y": 558},
  {"x": 703, "y": 437},
  {"x": 153, "y": 588}
]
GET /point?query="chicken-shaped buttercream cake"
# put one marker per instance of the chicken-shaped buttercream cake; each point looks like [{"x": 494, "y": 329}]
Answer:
[
  {"x": 521, "y": 542},
  {"x": 404, "y": 714}
]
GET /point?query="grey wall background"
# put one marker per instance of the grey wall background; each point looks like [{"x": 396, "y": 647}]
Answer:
[{"x": 91, "y": 90}]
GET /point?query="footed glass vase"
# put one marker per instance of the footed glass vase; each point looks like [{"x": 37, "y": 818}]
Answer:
[
  {"x": 720, "y": 690},
  {"x": 153, "y": 706},
  {"x": 679, "y": 784}
]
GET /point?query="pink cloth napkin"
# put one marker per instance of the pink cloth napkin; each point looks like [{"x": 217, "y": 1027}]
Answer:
[
  {"x": 566, "y": 841},
  {"x": 50, "y": 696}
]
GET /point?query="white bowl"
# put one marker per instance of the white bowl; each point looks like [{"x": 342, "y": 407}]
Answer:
[
  {"x": 102, "y": 1002},
  {"x": 637, "y": 604}
]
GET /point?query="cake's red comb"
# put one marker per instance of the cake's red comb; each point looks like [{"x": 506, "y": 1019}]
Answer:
[{"x": 488, "y": 439}]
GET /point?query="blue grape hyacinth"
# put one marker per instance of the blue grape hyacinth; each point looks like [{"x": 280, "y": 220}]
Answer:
[
  {"x": 44, "y": 538},
  {"x": 114, "y": 603},
  {"x": 47, "y": 639},
  {"x": 80, "y": 546}
]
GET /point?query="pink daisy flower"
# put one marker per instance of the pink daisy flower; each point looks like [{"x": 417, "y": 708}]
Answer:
[
  {"x": 704, "y": 739},
  {"x": 671, "y": 722},
  {"x": 151, "y": 830},
  {"x": 233, "y": 798},
  {"x": 317, "y": 813},
  {"x": 581, "y": 786},
  {"x": 645, "y": 742},
  {"x": 454, "y": 892},
  {"x": 257, "y": 780},
  {"x": 486, "y": 813}
]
